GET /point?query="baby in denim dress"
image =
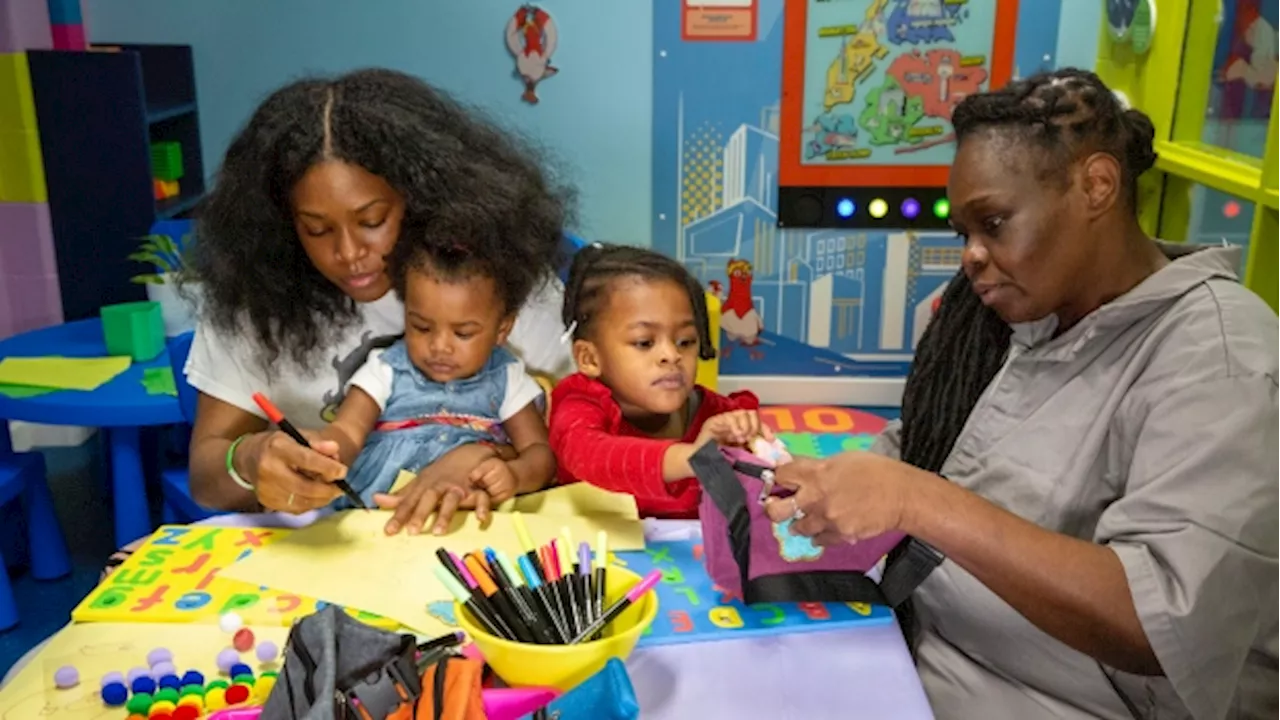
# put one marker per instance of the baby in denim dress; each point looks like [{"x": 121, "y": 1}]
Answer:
[{"x": 448, "y": 381}]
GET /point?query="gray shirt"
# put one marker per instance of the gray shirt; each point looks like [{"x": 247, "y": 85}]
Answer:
[{"x": 1149, "y": 427}]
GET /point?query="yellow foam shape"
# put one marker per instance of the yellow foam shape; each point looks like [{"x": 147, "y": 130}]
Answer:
[
  {"x": 21, "y": 167},
  {"x": 17, "y": 104}
]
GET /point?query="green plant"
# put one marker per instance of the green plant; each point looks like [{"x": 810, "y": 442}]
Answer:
[{"x": 163, "y": 255}]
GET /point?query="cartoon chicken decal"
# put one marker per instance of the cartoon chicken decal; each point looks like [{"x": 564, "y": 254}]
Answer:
[
  {"x": 532, "y": 37},
  {"x": 738, "y": 316}
]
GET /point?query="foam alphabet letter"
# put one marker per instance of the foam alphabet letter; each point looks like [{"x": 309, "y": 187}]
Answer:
[
  {"x": 725, "y": 616},
  {"x": 152, "y": 599},
  {"x": 239, "y": 601},
  {"x": 680, "y": 621},
  {"x": 814, "y": 610},
  {"x": 861, "y": 608},
  {"x": 193, "y": 600},
  {"x": 776, "y": 615},
  {"x": 112, "y": 597}
]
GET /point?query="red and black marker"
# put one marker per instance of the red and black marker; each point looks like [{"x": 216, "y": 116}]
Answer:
[{"x": 277, "y": 417}]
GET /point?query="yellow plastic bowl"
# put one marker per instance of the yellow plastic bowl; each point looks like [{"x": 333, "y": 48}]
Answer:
[{"x": 565, "y": 666}]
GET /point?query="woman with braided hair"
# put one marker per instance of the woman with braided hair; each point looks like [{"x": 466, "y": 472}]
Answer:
[{"x": 1088, "y": 439}]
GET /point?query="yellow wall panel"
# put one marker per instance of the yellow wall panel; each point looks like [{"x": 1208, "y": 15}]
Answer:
[
  {"x": 21, "y": 168},
  {"x": 17, "y": 106}
]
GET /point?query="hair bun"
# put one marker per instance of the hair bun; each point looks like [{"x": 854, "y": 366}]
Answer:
[{"x": 1140, "y": 141}]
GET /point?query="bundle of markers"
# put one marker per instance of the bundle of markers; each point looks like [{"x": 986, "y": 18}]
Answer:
[{"x": 544, "y": 597}]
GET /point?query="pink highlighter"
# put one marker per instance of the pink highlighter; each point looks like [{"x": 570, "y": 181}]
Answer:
[
  {"x": 243, "y": 713},
  {"x": 645, "y": 585}
]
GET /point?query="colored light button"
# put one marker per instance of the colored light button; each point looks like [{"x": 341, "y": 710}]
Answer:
[
  {"x": 910, "y": 208},
  {"x": 845, "y": 208},
  {"x": 878, "y": 208},
  {"x": 942, "y": 208}
]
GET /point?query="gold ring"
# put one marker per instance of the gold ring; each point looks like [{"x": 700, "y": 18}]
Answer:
[{"x": 290, "y": 501}]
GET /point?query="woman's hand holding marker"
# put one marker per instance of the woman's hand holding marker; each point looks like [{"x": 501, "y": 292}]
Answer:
[{"x": 289, "y": 477}]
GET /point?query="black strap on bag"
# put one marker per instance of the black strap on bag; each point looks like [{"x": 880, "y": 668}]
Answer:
[{"x": 720, "y": 482}]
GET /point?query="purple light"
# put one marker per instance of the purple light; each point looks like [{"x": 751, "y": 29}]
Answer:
[{"x": 910, "y": 208}]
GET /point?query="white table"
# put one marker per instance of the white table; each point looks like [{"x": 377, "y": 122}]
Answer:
[{"x": 857, "y": 672}]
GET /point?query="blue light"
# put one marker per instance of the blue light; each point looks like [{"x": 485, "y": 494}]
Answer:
[{"x": 845, "y": 208}]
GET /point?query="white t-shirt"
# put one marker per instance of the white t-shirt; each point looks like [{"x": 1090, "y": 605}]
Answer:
[
  {"x": 376, "y": 376},
  {"x": 226, "y": 368}
]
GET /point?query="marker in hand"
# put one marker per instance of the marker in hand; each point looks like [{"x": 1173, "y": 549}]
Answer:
[{"x": 277, "y": 417}]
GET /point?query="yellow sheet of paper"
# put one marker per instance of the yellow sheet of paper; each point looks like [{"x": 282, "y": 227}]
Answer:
[
  {"x": 98, "y": 648},
  {"x": 577, "y": 499},
  {"x": 348, "y": 559},
  {"x": 61, "y": 373}
]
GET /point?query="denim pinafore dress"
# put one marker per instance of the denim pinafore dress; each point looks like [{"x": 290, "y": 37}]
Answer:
[{"x": 424, "y": 419}]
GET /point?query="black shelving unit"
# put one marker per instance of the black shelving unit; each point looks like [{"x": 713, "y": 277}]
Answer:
[{"x": 98, "y": 113}]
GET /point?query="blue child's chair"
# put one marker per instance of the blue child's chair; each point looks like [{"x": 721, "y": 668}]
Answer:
[
  {"x": 22, "y": 475},
  {"x": 175, "y": 483}
]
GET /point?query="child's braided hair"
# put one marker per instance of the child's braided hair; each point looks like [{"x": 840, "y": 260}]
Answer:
[{"x": 596, "y": 266}]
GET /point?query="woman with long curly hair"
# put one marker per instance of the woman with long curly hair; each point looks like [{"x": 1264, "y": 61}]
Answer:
[{"x": 292, "y": 248}]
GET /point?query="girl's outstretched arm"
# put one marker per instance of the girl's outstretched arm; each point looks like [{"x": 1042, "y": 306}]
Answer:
[{"x": 535, "y": 464}]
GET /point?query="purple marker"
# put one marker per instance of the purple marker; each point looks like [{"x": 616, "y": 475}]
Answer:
[
  {"x": 634, "y": 594},
  {"x": 584, "y": 583}
]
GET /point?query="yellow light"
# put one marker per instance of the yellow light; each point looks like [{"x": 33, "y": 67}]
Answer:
[{"x": 878, "y": 208}]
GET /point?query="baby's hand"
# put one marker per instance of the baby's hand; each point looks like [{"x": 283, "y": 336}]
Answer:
[
  {"x": 494, "y": 476},
  {"x": 736, "y": 428}
]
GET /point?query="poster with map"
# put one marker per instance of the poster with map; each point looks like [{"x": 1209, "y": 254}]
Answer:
[{"x": 881, "y": 78}]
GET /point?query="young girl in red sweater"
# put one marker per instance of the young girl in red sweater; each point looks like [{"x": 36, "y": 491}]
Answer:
[{"x": 631, "y": 416}]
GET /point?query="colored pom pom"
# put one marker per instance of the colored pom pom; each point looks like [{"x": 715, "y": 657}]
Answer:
[
  {"x": 162, "y": 706},
  {"x": 230, "y": 622},
  {"x": 215, "y": 699},
  {"x": 159, "y": 655},
  {"x": 216, "y": 684},
  {"x": 228, "y": 658},
  {"x": 143, "y": 685},
  {"x": 192, "y": 677},
  {"x": 270, "y": 674},
  {"x": 168, "y": 694},
  {"x": 195, "y": 701},
  {"x": 66, "y": 676},
  {"x": 186, "y": 712},
  {"x": 246, "y": 680},
  {"x": 263, "y": 689},
  {"x": 162, "y": 668},
  {"x": 112, "y": 677},
  {"x": 237, "y": 694},
  {"x": 189, "y": 690},
  {"x": 243, "y": 640},
  {"x": 240, "y": 669},
  {"x": 140, "y": 703},
  {"x": 160, "y": 716},
  {"x": 115, "y": 694},
  {"x": 136, "y": 673},
  {"x": 136, "y": 717},
  {"x": 267, "y": 651},
  {"x": 170, "y": 682}
]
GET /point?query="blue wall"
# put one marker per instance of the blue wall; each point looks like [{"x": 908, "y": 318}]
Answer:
[{"x": 596, "y": 116}]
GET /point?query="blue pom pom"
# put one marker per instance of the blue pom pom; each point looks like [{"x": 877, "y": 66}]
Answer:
[
  {"x": 143, "y": 684},
  {"x": 115, "y": 694},
  {"x": 240, "y": 669},
  {"x": 192, "y": 677},
  {"x": 170, "y": 681}
]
